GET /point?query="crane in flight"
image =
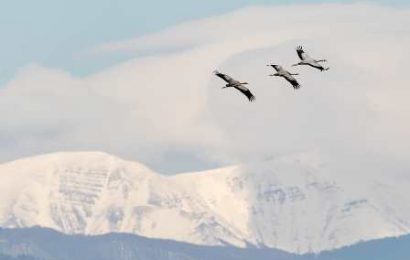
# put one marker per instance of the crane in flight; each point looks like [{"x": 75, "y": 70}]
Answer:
[
  {"x": 233, "y": 83},
  {"x": 281, "y": 72},
  {"x": 307, "y": 60}
]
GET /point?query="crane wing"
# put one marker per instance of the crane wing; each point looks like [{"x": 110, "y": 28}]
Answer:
[
  {"x": 224, "y": 77},
  {"x": 318, "y": 66},
  {"x": 292, "y": 81},
  {"x": 301, "y": 53},
  {"x": 276, "y": 67},
  {"x": 246, "y": 92}
]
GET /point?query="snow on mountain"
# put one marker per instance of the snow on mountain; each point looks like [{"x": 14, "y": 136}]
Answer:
[{"x": 302, "y": 203}]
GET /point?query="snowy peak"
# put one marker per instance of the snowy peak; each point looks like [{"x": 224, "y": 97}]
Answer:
[
  {"x": 61, "y": 190},
  {"x": 303, "y": 203}
]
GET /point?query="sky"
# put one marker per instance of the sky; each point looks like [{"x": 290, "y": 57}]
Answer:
[
  {"x": 59, "y": 33},
  {"x": 106, "y": 75}
]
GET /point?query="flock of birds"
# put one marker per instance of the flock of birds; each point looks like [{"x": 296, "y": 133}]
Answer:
[{"x": 280, "y": 72}]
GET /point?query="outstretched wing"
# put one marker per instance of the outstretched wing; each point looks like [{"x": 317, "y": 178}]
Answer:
[
  {"x": 276, "y": 67},
  {"x": 246, "y": 92},
  {"x": 301, "y": 53},
  {"x": 224, "y": 77},
  {"x": 292, "y": 81},
  {"x": 318, "y": 66}
]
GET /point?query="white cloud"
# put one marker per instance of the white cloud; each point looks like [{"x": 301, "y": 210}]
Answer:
[{"x": 170, "y": 101}]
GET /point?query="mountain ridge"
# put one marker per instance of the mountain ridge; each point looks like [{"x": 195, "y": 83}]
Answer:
[
  {"x": 301, "y": 203},
  {"x": 43, "y": 243}
]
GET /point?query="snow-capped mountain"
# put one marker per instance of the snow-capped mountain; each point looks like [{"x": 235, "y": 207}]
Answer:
[{"x": 303, "y": 203}]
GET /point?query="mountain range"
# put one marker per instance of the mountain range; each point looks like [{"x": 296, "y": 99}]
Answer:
[
  {"x": 45, "y": 244},
  {"x": 304, "y": 203}
]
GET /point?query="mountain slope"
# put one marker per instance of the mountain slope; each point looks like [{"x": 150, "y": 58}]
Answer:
[
  {"x": 44, "y": 244},
  {"x": 303, "y": 203}
]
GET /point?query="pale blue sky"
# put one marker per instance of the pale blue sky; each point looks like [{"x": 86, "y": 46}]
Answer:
[{"x": 56, "y": 32}]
